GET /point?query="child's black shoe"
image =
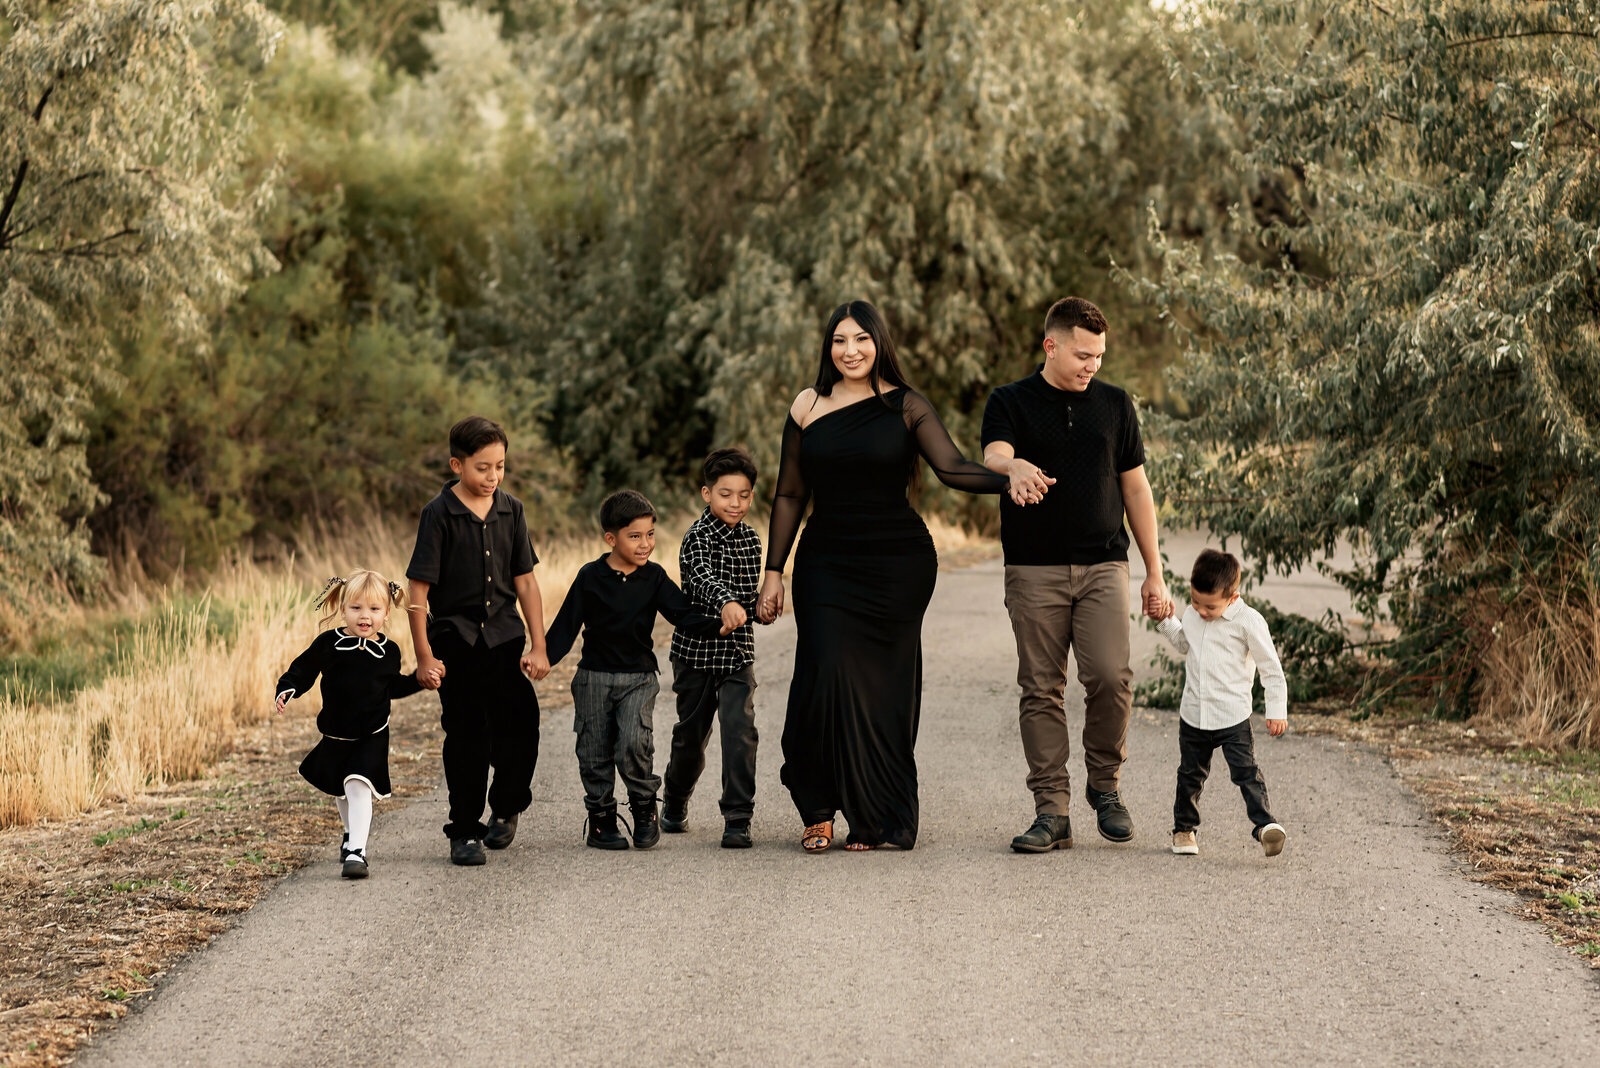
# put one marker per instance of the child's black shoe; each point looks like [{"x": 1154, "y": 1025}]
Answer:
[
  {"x": 600, "y": 830},
  {"x": 467, "y": 852},
  {"x": 355, "y": 866},
  {"x": 646, "y": 826},
  {"x": 675, "y": 815},
  {"x": 501, "y": 832},
  {"x": 736, "y": 835}
]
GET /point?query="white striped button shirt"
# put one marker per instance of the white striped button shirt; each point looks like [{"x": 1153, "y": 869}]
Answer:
[{"x": 1222, "y": 658}]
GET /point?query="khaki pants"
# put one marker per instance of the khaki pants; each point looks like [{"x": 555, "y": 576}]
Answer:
[{"x": 1082, "y": 608}]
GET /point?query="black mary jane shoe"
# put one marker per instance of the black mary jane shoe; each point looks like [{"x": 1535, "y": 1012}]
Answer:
[{"x": 355, "y": 865}]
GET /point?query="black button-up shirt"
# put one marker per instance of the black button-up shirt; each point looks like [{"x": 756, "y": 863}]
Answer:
[
  {"x": 617, "y": 612},
  {"x": 470, "y": 564}
]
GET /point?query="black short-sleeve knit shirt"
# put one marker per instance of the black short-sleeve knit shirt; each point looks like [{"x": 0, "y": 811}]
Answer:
[{"x": 1085, "y": 441}]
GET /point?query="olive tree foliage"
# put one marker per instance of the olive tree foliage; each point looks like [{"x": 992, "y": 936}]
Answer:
[
  {"x": 746, "y": 167},
  {"x": 1415, "y": 367},
  {"x": 116, "y": 174}
]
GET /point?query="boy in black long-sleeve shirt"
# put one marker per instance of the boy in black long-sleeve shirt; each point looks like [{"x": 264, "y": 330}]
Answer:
[{"x": 615, "y": 600}]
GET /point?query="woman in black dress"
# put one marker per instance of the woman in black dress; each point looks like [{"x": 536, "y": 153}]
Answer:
[{"x": 863, "y": 576}]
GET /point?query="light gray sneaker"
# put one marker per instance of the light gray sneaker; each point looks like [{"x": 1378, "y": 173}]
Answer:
[
  {"x": 1184, "y": 844},
  {"x": 1272, "y": 836}
]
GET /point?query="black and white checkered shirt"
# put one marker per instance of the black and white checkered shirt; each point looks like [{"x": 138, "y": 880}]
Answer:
[{"x": 718, "y": 564}]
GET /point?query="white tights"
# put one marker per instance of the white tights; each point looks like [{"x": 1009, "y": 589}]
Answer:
[{"x": 355, "y": 810}]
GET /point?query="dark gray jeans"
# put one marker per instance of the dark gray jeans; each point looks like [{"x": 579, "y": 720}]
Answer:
[
  {"x": 612, "y": 715},
  {"x": 730, "y": 698}
]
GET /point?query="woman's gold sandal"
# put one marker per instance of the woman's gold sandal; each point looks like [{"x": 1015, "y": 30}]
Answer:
[{"x": 817, "y": 837}]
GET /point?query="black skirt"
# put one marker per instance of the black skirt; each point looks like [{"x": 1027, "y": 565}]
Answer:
[{"x": 335, "y": 759}]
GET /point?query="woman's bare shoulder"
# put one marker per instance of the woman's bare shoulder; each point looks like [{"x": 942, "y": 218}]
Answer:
[{"x": 803, "y": 404}]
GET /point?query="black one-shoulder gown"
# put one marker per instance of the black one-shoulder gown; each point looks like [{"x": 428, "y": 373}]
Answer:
[{"x": 863, "y": 576}]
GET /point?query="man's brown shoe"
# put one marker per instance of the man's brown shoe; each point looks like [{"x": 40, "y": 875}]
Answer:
[{"x": 1184, "y": 845}]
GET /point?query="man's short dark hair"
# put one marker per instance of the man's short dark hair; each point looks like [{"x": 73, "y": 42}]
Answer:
[
  {"x": 1069, "y": 312},
  {"x": 474, "y": 433},
  {"x": 1215, "y": 573},
  {"x": 731, "y": 461},
  {"x": 622, "y": 508}
]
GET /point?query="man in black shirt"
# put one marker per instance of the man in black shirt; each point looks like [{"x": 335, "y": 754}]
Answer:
[
  {"x": 472, "y": 565},
  {"x": 1066, "y": 556}
]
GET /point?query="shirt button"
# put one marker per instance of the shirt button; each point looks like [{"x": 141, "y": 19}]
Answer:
[{"x": 486, "y": 552}]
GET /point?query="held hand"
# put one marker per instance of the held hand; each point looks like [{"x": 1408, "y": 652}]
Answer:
[
  {"x": 429, "y": 671},
  {"x": 1028, "y": 483},
  {"x": 1276, "y": 727},
  {"x": 770, "y": 605},
  {"x": 535, "y": 664},
  {"x": 733, "y": 617},
  {"x": 1155, "y": 597}
]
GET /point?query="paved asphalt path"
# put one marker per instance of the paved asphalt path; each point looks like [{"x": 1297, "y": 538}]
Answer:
[{"x": 1361, "y": 944}]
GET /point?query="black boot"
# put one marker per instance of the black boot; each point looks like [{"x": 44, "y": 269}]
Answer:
[
  {"x": 646, "y": 827},
  {"x": 675, "y": 815},
  {"x": 1048, "y": 832},
  {"x": 601, "y": 830},
  {"x": 1111, "y": 815},
  {"x": 736, "y": 834}
]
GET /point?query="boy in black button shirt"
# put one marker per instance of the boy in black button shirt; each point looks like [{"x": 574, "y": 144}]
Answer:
[
  {"x": 615, "y": 599},
  {"x": 472, "y": 565}
]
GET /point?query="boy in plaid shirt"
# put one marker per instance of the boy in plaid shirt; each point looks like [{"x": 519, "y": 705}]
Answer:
[{"x": 720, "y": 564}]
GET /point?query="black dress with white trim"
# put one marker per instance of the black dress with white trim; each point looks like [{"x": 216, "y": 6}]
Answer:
[{"x": 359, "y": 678}]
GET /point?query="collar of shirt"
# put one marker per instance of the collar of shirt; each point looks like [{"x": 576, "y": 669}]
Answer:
[
  {"x": 1235, "y": 606},
  {"x": 623, "y": 576},
  {"x": 345, "y": 642},
  {"x": 712, "y": 525},
  {"x": 454, "y": 505}
]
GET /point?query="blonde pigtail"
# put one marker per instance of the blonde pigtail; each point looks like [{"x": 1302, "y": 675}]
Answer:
[
  {"x": 332, "y": 599},
  {"x": 397, "y": 596}
]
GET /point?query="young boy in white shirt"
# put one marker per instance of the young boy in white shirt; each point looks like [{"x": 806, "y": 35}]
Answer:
[{"x": 1225, "y": 642}]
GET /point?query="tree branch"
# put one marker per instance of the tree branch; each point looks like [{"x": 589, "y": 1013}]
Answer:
[
  {"x": 10, "y": 202},
  {"x": 1513, "y": 36},
  {"x": 88, "y": 248}
]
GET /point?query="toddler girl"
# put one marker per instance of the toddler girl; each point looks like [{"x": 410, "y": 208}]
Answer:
[{"x": 360, "y": 671}]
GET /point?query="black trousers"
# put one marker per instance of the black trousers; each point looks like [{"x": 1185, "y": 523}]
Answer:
[
  {"x": 730, "y": 698},
  {"x": 1195, "y": 747},
  {"x": 490, "y": 719}
]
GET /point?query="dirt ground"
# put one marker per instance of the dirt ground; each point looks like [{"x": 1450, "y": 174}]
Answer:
[
  {"x": 94, "y": 910},
  {"x": 1521, "y": 819}
]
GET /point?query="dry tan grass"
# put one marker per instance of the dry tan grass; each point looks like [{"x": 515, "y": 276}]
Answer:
[
  {"x": 1541, "y": 673},
  {"x": 187, "y": 686}
]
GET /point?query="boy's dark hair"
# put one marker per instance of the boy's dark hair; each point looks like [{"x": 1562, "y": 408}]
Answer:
[
  {"x": 731, "y": 461},
  {"x": 1215, "y": 573},
  {"x": 474, "y": 433},
  {"x": 1069, "y": 312},
  {"x": 622, "y": 508}
]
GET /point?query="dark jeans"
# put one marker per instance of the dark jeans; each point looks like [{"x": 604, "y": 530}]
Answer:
[
  {"x": 490, "y": 719},
  {"x": 730, "y": 698},
  {"x": 1195, "y": 747},
  {"x": 613, "y": 714}
]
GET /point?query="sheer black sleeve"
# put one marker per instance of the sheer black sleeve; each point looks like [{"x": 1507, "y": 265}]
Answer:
[
  {"x": 788, "y": 500},
  {"x": 933, "y": 441}
]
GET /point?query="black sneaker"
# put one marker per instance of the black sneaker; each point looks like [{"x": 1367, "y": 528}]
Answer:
[
  {"x": 600, "y": 831},
  {"x": 735, "y": 834},
  {"x": 675, "y": 815},
  {"x": 500, "y": 832},
  {"x": 646, "y": 825},
  {"x": 1110, "y": 815},
  {"x": 1048, "y": 832},
  {"x": 355, "y": 865},
  {"x": 467, "y": 852}
]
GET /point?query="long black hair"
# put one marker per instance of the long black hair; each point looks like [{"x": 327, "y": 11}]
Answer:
[{"x": 886, "y": 368}]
